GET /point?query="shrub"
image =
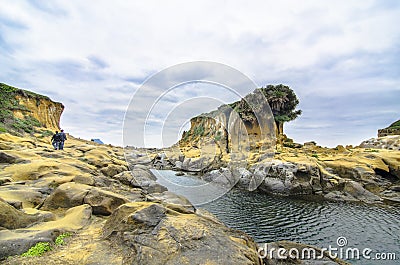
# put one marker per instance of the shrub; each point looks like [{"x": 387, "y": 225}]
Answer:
[
  {"x": 37, "y": 250},
  {"x": 314, "y": 155},
  {"x": 218, "y": 136},
  {"x": 60, "y": 239},
  {"x": 46, "y": 133},
  {"x": 199, "y": 130}
]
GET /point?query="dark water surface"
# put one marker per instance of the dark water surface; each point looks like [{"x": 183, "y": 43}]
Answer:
[{"x": 269, "y": 218}]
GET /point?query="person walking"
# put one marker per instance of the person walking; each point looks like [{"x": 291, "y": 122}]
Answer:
[
  {"x": 55, "y": 140},
  {"x": 63, "y": 138}
]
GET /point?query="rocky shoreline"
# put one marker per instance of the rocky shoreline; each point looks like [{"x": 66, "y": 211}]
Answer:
[
  {"x": 116, "y": 218},
  {"x": 369, "y": 173}
]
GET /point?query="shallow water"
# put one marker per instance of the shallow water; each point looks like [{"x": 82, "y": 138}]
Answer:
[{"x": 269, "y": 218}]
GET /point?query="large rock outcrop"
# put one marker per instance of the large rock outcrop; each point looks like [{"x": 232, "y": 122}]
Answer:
[
  {"x": 22, "y": 110},
  {"x": 116, "y": 217},
  {"x": 393, "y": 129}
]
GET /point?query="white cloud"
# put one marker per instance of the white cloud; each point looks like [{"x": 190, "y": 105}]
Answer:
[{"x": 93, "y": 56}]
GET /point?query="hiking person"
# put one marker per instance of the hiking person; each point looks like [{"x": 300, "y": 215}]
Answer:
[
  {"x": 55, "y": 140},
  {"x": 63, "y": 138}
]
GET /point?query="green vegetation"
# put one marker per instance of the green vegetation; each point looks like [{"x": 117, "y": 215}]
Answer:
[
  {"x": 315, "y": 155},
  {"x": 372, "y": 150},
  {"x": 198, "y": 130},
  {"x": 283, "y": 102},
  {"x": 37, "y": 250},
  {"x": 60, "y": 239},
  {"x": 218, "y": 136},
  {"x": 42, "y": 247},
  {"x": 9, "y": 103},
  {"x": 395, "y": 125},
  {"x": 46, "y": 133}
]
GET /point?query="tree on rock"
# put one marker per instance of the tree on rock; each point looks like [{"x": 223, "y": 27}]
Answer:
[{"x": 283, "y": 102}]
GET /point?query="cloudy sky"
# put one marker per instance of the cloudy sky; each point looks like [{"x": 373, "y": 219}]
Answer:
[{"x": 341, "y": 57}]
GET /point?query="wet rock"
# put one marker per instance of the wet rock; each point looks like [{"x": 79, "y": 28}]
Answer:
[
  {"x": 222, "y": 176},
  {"x": 357, "y": 191},
  {"x": 243, "y": 176}
]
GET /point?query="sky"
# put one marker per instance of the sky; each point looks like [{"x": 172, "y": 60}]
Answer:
[{"x": 340, "y": 57}]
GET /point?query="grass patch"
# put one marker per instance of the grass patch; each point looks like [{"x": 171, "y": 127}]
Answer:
[
  {"x": 372, "y": 150},
  {"x": 9, "y": 104},
  {"x": 315, "y": 155},
  {"x": 46, "y": 133},
  {"x": 37, "y": 250},
  {"x": 60, "y": 239}
]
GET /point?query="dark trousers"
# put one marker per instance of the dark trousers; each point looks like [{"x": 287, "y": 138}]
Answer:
[{"x": 61, "y": 145}]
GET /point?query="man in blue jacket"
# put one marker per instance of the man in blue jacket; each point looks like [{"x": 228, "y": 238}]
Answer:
[{"x": 63, "y": 138}]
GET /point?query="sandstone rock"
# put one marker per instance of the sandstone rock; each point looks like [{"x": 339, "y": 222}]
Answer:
[
  {"x": 112, "y": 170},
  {"x": 28, "y": 195},
  {"x": 386, "y": 142},
  {"x": 222, "y": 176},
  {"x": 156, "y": 234},
  {"x": 172, "y": 200},
  {"x": 357, "y": 191},
  {"x": 19, "y": 241},
  {"x": 84, "y": 179},
  {"x": 66, "y": 195},
  {"x": 243, "y": 176},
  {"x": 7, "y": 158},
  {"x": 103, "y": 202},
  {"x": 283, "y": 178},
  {"x": 73, "y": 194},
  {"x": 12, "y": 218},
  {"x": 125, "y": 177}
]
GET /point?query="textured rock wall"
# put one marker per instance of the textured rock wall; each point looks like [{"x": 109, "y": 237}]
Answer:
[{"x": 46, "y": 111}]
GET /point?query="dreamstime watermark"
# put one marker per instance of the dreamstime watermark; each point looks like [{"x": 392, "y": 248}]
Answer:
[{"x": 341, "y": 250}]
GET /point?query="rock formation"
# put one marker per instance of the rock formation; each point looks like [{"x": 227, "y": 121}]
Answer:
[
  {"x": 22, "y": 110},
  {"x": 393, "y": 129},
  {"x": 369, "y": 173},
  {"x": 117, "y": 216}
]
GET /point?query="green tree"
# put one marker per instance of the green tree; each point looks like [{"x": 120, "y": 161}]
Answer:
[{"x": 283, "y": 102}]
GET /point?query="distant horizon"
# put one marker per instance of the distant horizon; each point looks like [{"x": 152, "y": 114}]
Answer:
[{"x": 340, "y": 59}]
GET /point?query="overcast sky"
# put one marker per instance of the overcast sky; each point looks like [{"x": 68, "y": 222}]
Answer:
[{"x": 341, "y": 57}]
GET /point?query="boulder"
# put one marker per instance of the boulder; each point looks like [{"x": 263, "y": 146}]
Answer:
[
  {"x": 12, "y": 218},
  {"x": 66, "y": 195},
  {"x": 7, "y": 158},
  {"x": 73, "y": 194},
  {"x": 357, "y": 191},
  {"x": 243, "y": 176},
  {"x": 19, "y": 241},
  {"x": 172, "y": 200},
  {"x": 111, "y": 170},
  {"x": 103, "y": 202},
  {"x": 156, "y": 234},
  {"x": 222, "y": 176}
]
